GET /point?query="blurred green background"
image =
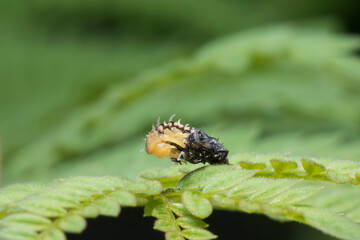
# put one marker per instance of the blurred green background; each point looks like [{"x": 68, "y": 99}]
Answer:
[{"x": 82, "y": 82}]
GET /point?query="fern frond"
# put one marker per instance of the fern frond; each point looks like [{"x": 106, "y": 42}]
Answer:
[
  {"x": 282, "y": 187},
  {"x": 39, "y": 212},
  {"x": 250, "y": 186},
  {"x": 280, "y": 166}
]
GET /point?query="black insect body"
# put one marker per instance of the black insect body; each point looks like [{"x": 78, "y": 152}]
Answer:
[
  {"x": 181, "y": 143},
  {"x": 202, "y": 148}
]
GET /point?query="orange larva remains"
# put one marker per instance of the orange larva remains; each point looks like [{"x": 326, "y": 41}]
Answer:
[
  {"x": 167, "y": 139},
  {"x": 181, "y": 143}
]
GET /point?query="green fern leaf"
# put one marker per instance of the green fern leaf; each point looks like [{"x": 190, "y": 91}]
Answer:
[
  {"x": 72, "y": 224},
  {"x": 17, "y": 234},
  {"x": 196, "y": 205},
  {"x": 26, "y": 220},
  {"x": 197, "y": 234},
  {"x": 191, "y": 221},
  {"x": 286, "y": 189},
  {"x": 291, "y": 167}
]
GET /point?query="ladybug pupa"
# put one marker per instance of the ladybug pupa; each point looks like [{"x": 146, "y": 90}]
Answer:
[{"x": 184, "y": 144}]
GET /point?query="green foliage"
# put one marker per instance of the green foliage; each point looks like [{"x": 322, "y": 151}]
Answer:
[
  {"x": 77, "y": 98},
  {"x": 47, "y": 212},
  {"x": 322, "y": 169},
  {"x": 265, "y": 74},
  {"x": 286, "y": 189}
]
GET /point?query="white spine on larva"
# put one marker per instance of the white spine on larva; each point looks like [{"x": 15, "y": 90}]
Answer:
[{"x": 171, "y": 118}]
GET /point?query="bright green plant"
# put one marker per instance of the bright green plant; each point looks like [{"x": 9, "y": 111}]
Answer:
[
  {"x": 278, "y": 88},
  {"x": 297, "y": 86},
  {"x": 282, "y": 187}
]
